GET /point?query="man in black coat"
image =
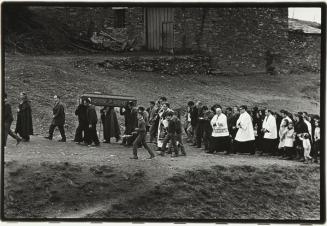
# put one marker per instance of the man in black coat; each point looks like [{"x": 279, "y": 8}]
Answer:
[
  {"x": 8, "y": 119},
  {"x": 126, "y": 112},
  {"x": 24, "y": 125},
  {"x": 131, "y": 122},
  {"x": 92, "y": 120},
  {"x": 58, "y": 119},
  {"x": 194, "y": 121},
  {"x": 82, "y": 122},
  {"x": 199, "y": 129}
]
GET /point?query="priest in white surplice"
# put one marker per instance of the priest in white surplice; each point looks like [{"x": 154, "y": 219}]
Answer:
[
  {"x": 269, "y": 128},
  {"x": 245, "y": 134}
]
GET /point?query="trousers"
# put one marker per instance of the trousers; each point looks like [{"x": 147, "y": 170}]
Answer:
[
  {"x": 140, "y": 140},
  {"x": 7, "y": 131},
  {"x": 61, "y": 130},
  {"x": 170, "y": 137}
]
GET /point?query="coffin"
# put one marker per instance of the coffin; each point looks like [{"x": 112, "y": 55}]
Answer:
[{"x": 100, "y": 99}]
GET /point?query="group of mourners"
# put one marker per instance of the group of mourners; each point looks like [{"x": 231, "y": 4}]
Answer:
[
  {"x": 229, "y": 130},
  {"x": 239, "y": 130}
]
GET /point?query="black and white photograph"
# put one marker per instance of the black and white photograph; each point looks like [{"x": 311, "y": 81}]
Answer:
[{"x": 163, "y": 112}]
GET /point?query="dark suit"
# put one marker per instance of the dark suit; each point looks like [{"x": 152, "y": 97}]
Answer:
[
  {"x": 58, "y": 120},
  {"x": 199, "y": 129},
  {"x": 8, "y": 119}
]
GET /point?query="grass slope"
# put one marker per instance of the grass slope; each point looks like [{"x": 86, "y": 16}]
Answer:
[
  {"x": 49, "y": 189},
  {"x": 70, "y": 76},
  {"x": 237, "y": 192}
]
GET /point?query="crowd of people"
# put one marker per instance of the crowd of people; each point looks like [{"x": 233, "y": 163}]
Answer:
[
  {"x": 240, "y": 130},
  {"x": 215, "y": 129}
]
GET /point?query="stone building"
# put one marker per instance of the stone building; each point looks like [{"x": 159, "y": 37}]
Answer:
[
  {"x": 305, "y": 46},
  {"x": 234, "y": 38}
]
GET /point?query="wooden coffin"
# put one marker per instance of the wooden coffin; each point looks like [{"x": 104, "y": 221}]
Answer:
[{"x": 100, "y": 99}]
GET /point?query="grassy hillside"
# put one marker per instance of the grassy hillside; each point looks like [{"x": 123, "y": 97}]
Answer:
[
  {"x": 70, "y": 76},
  {"x": 238, "y": 192}
]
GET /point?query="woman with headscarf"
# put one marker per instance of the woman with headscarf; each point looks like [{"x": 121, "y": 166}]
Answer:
[
  {"x": 24, "y": 125},
  {"x": 300, "y": 128}
]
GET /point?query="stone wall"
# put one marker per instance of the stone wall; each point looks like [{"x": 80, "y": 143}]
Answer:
[
  {"x": 304, "y": 52},
  {"x": 171, "y": 65},
  {"x": 83, "y": 21},
  {"x": 235, "y": 38}
]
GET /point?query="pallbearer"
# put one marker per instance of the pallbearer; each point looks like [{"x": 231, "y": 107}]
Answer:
[
  {"x": 110, "y": 124},
  {"x": 82, "y": 122},
  {"x": 92, "y": 120}
]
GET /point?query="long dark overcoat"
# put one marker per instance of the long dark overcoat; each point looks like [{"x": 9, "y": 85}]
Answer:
[
  {"x": 24, "y": 125},
  {"x": 110, "y": 125}
]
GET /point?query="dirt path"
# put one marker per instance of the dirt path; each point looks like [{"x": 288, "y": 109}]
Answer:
[{"x": 114, "y": 155}]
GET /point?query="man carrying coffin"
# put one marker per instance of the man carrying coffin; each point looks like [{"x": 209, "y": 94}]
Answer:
[{"x": 92, "y": 120}]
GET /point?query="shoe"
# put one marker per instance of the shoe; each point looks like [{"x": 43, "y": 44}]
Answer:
[
  {"x": 151, "y": 157},
  {"x": 174, "y": 155},
  {"x": 62, "y": 140},
  {"x": 18, "y": 141},
  {"x": 106, "y": 142},
  {"x": 117, "y": 139},
  {"x": 48, "y": 137},
  {"x": 162, "y": 153},
  {"x": 134, "y": 157},
  {"x": 183, "y": 154}
]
